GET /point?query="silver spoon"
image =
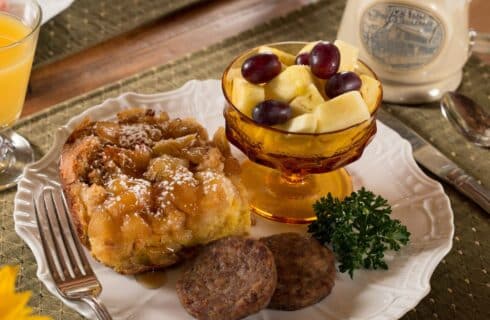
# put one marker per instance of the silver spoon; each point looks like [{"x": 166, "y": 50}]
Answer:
[{"x": 468, "y": 117}]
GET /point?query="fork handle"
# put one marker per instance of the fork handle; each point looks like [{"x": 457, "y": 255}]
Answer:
[{"x": 99, "y": 308}]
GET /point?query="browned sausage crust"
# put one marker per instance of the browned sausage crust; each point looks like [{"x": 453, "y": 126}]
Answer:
[
  {"x": 230, "y": 279},
  {"x": 305, "y": 270}
]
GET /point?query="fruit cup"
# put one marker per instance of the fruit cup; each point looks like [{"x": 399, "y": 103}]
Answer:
[{"x": 288, "y": 171}]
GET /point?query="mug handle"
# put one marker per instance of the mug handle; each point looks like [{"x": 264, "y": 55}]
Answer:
[{"x": 479, "y": 42}]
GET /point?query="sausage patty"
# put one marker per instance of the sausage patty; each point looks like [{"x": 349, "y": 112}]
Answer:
[
  {"x": 305, "y": 270},
  {"x": 230, "y": 278}
]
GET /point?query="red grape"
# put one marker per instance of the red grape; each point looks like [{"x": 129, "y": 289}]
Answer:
[
  {"x": 271, "y": 112},
  {"x": 303, "y": 58},
  {"x": 342, "y": 82},
  {"x": 261, "y": 68},
  {"x": 324, "y": 60}
]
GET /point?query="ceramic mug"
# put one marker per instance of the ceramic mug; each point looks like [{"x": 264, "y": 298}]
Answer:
[{"x": 417, "y": 47}]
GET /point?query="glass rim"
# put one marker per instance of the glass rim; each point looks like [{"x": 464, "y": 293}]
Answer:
[
  {"x": 249, "y": 120},
  {"x": 37, "y": 25}
]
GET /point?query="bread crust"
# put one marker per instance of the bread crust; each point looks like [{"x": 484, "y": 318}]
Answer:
[{"x": 70, "y": 169}]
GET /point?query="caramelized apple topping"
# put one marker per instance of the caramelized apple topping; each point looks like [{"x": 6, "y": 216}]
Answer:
[
  {"x": 151, "y": 165},
  {"x": 149, "y": 186}
]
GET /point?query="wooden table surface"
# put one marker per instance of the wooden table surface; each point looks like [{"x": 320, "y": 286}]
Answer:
[{"x": 165, "y": 40}]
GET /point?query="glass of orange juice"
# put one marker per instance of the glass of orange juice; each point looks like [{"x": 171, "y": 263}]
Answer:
[{"x": 19, "y": 28}]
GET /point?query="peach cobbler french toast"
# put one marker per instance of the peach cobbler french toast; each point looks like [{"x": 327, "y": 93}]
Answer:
[{"x": 144, "y": 188}]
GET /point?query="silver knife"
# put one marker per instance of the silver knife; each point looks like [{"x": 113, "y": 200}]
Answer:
[{"x": 437, "y": 163}]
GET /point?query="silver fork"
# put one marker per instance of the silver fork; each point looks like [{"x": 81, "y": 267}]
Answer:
[{"x": 67, "y": 263}]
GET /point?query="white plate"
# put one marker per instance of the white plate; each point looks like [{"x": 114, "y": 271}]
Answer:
[{"x": 387, "y": 168}]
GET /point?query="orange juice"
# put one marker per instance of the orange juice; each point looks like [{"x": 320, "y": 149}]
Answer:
[{"x": 16, "y": 54}]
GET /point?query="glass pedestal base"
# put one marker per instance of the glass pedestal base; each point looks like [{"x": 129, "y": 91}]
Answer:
[
  {"x": 274, "y": 197},
  {"x": 15, "y": 154}
]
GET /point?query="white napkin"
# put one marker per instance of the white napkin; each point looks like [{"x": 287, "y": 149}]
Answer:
[{"x": 53, "y": 7}]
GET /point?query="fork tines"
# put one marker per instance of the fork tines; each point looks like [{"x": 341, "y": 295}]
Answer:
[{"x": 64, "y": 254}]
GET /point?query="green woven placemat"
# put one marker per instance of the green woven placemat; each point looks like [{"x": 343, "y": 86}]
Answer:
[
  {"x": 460, "y": 285},
  {"x": 89, "y": 22}
]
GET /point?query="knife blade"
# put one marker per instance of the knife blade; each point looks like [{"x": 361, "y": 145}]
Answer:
[{"x": 433, "y": 160}]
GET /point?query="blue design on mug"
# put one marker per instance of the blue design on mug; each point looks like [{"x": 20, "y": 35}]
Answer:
[{"x": 401, "y": 36}]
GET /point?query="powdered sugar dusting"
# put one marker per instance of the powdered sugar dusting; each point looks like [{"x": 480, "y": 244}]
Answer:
[
  {"x": 138, "y": 133},
  {"x": 182, "y": 176},
  {"x": 210, "y": 181},
  {"x": 139, "y": 187},
  {"x": 174, "y": 184}
]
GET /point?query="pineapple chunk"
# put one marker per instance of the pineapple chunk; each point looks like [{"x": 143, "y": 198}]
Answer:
[
  {"x": 348, "y": 55},
  {"x": 341, "y": 112},
  {"x": 370, "y": 91},
  {"x": 284, "y": 57},
  {"x": 306, "y": 102},
  {"x": 308, "y": 47},
  {"x": 306, "y": 123},
  {"x": 289, "y": 84},
  {"x": 234, "y": 73},
  {"x": 245, "y": 95}
]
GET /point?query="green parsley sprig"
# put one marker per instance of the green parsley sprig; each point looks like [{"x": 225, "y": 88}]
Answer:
[{"x": 359, "y": 229}]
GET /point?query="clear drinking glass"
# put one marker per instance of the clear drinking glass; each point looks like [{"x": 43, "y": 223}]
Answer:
[{"x": 19, "y": 29}]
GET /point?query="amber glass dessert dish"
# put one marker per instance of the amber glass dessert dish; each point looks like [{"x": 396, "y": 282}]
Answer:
[{"x": 288, "y": 171}]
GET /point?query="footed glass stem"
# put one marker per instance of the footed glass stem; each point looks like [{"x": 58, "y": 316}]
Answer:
[
  {"x": 15, "y": 154},
  {"x": 290, "y": 199}
]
